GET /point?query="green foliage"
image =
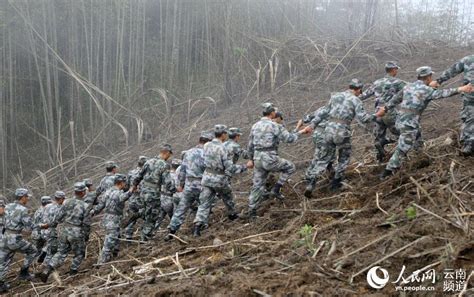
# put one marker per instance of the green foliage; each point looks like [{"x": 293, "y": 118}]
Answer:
[
  {"x": 410, "y": 212},
  {"x": 306, "y": 233}
]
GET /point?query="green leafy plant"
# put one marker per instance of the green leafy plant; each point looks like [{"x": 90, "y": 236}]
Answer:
[
  {"x": 306, "y": 233},
  {"x": 410, "y": 212}
]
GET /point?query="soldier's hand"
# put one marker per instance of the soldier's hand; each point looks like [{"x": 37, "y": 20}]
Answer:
[
  {"x": 179, "y": 189},
  {"x": 434, "y": 84},
  {"x": 466, "y": 88},
  {"x": 306, "y": 130},
  {"x": 44, "y": 226},
  {"x": 92, "y": 212},
  {"x": 299, "y": 124},
  {"x": 250, "y": 164},
  {"x": 380, "y": 113}
]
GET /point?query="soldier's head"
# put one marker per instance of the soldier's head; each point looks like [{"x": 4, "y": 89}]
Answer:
[
  {"x": 142, "y": 160},
  {"x": 391, "y": 68},
  {"x": 278, "y": 117},
  {"x": 2, "y": 206},
  {"x": 166, "y": 152},
  {"x": 205, "y": 137},
  {"x": 175, "y": 163},
  {"x": 269, "y": 110},
  {"x": 22, "y": 196},
  {"x": 356, "y": 86},
  {"x": 425, "y": 73},
  {"x": 45, "y": 200},
  {"x": 220, "y": 132},
  {"x": 111, "y": 167},
  {"x": 80, "y": 189},
  {"x": 59, "y": 197},
  {"x": 88, "y": 184},
  {"x": 235, "y": 134},
  {"x": 120, "y": 181}
]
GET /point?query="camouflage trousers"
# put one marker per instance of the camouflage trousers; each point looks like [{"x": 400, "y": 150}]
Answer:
[
  {"x": 265, "y": 163},
  {"x": 134, "y": 213},
  {"x": 151, "y": 211},
  {"x": 318, "y": 141},
  {"x": 207, "y": 200},
  {"x": 387, "y": 122},
  {"x": 51, "y": 248},
  {"x": 467, "y": 119},
  {"x": 111, "y": 224},
  {"x": 71, "y": 238},
  {"x": 168, "y": 205},
  {"x": 9, "y": 245},
  {"x": 192, "y": 190},
  {"x": 410, "y": 138}
]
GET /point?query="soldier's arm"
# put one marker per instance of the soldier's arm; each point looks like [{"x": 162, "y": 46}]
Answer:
[
  {"x": 59, "y": 217},
  {"x": 230, "y": 168},
  {"x": 452, "y": 71},
  {"x": 101, "y": 204},
  {"x": 140, "y": 175},
  {"x": 319, "y": 115},
  {"x": 367, "y": 93},
  {"x": 250, "y": 147},
  {"x": 168, "y": 180},
  {"x": 124, "y": 196},
  {"x": 397, "y": 99},
  {"x": 360, "y": 112},
  {"x": 444, "y": 93},
  {"x": 27, "y": 221},
  {"x": 286, "y": 136}
]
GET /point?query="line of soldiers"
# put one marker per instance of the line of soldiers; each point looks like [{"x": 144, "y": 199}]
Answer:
[{"x": 158, "y": 188}]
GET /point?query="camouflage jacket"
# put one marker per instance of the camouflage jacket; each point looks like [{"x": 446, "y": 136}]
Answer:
[
  {"x": 193, "y": 165},
  {"x": 219, "y": 168},
  {"x": 73, "y": 212},
  {"x": 413, "y": 100},
  {"x": 383, "y": 89},
  {"x": 90, "y": 199},
  {"x": 235, "y": 151},
  {"x": 466, "y": 66},
  {"x": 50, "y": 212},
  {"x": 154, "y": 174},
  {"x": 266, "y": 135},
  {"x": 106, "y": 183},
  {"x": 17, "y": 218},
  {"x": 38, "y": 219},
  {"x": 321, "y": 114},
  {"x": 2, "y": 223},
  {"x": 164, "y": 190},
  {"x": 113, "y": 201},
  {"x": 343, "y": 107}
]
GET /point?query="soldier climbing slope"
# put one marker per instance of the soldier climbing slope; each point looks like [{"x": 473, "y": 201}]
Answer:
[
  {"x": 135, "y": 203},
  {"x": 50, "y": 212},
  {"x": 108, "y": 180},
  {"x": 40, "y": 236}
]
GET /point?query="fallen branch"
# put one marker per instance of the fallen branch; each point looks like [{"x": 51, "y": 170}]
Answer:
[{"x": 437, "y": 216}]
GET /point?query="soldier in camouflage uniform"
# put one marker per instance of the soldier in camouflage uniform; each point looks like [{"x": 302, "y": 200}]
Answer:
[
  {"x": 169, "y": 201},
  {"x": 189, "y": 178},
  {"x": 135, "y": 203},
  {"x": 39, "y": 236},
  {"x": 264, "y": 139},
  {"x": 154, "y": 174},
  {"x": 216, "y": 179},
  {"x": 233, "y": 147},
  {"x": 107, "y": 181},
  {"x": 90, "y": 200},
  {"x": 466, "y": 66},
  {"x": 413, "y": 100},
  {"x": 74, "y": 218},
  {"x": 339, "y": 113},
  {"x": 384, "y": 89},
  {"x": 50, "y": 212},
  {"x": 2, "y": 216},
  {"x": 16, "y": 220},
  {"x": 114, "y": 203}
]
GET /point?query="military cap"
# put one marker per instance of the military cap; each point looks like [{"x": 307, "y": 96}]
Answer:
[
  {"x": 391, "y": 65},
  {"x": 176, "y": 162},
  {"x": 120, "y": 178},
  {"x": 207, "y": 135},
  {"x": 45, "y": 199},
  {"x": 279, "y": 114},
  {"x": 80, "y": 187},
  {"x": 356, "y": 83},
  {"x": 110, "y": 165},
  {"x": 87, "y": 182},
  {"x": 424, "y": 71},
  {"x": 220, "y": 128},
  {"x": 183, "y": 154},
  {"x": 142, "y": 159},
  {"x": 234, "y": 131},
  {"x": 21, "y": 192},
  {"x": 166, "y": 147},
  {"x": 268, "y": 107},
  {"x": 2, "y": 203},
  {"x": 59, "y": 195}
]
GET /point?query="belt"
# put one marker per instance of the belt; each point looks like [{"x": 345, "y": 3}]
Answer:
[
  {"x": 215, "y": 171},
  {"x": 412, "y": 111},
  {"x": 167, "y": 194},
  {"x": 266, "y": 149},
  {"x": 150, "y": 184},
  {"x": 12, "y": 231},
  {"x": 193, "y": 178},
  {"x": 340, "y": 121}
]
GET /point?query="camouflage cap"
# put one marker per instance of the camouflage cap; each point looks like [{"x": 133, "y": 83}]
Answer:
[
  {"x": 110, "y": 165},
  {"x": 424, "y": 71},
  {"x": 80, "y": 187},
  {"x": 120, "y": 178},
  {"x": 207, "y": 135},
  {"x": 268, "y": 107},
  {"x": 220, "y": 128},
  {"x": 356, "y": 83},
  {"x": 59, "y": 195},
  {"x": 391, "y": 65},
  {"x": 88, "y": 182},
  {"x": 142, "y": 159},
  {"x": 176, "y": 162},
  {"x": 45, "y": 199},
  {"x": 2, "y": 203},
  {"x": 21, "y": 192},
  {"x": 166, "y": 148},
  {"x": 279, "y": 114},
  {"x": 234, "y": 131}
]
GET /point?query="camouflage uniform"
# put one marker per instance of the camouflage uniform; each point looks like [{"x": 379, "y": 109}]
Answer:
[
  {"x": 235, "y": 151},
  {"x": 74, "y": 217},
  {"x": 465, "y": 65},
  {"x": 414, "y": 98},
  {"x": 190, "y": 176},
  {"x": 339, "y": 112},
  {"x": 168, "y": 201},
  {"x": 106, "y": 183},
  {"x": 16, "y": 220},
  {"x": 154, "y": 174},
  {"x": 135, "y": 205},
  {"x": 264, "y": 139},
  {"x": 50, "y": 212},
  {"x": 215, "y": 180},
  {"x": 114, "y": 203},
  {"x": 40, "y": 236},
  {"x": 384, "y": 89}
]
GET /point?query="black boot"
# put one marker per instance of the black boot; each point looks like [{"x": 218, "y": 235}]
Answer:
[
  {"x": 45, "y": 274},
  {"x": 310, "y": 185},
  {"x": 233, "y": 216},
  {"x": 336, "y": 184},
  {"x": 467, "y": 149},
  {"x": 386, "y": 173},
  {"x": 380, "y": 156},
  {"x": 25, "y": 274},
  {"x": 169, "y": 236},
  {"x": 4, "y": 287},
  {"x": 197, "y": 230},
  {"x": 41, "y": 257},
  {"x": 276, "y": 192}
]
